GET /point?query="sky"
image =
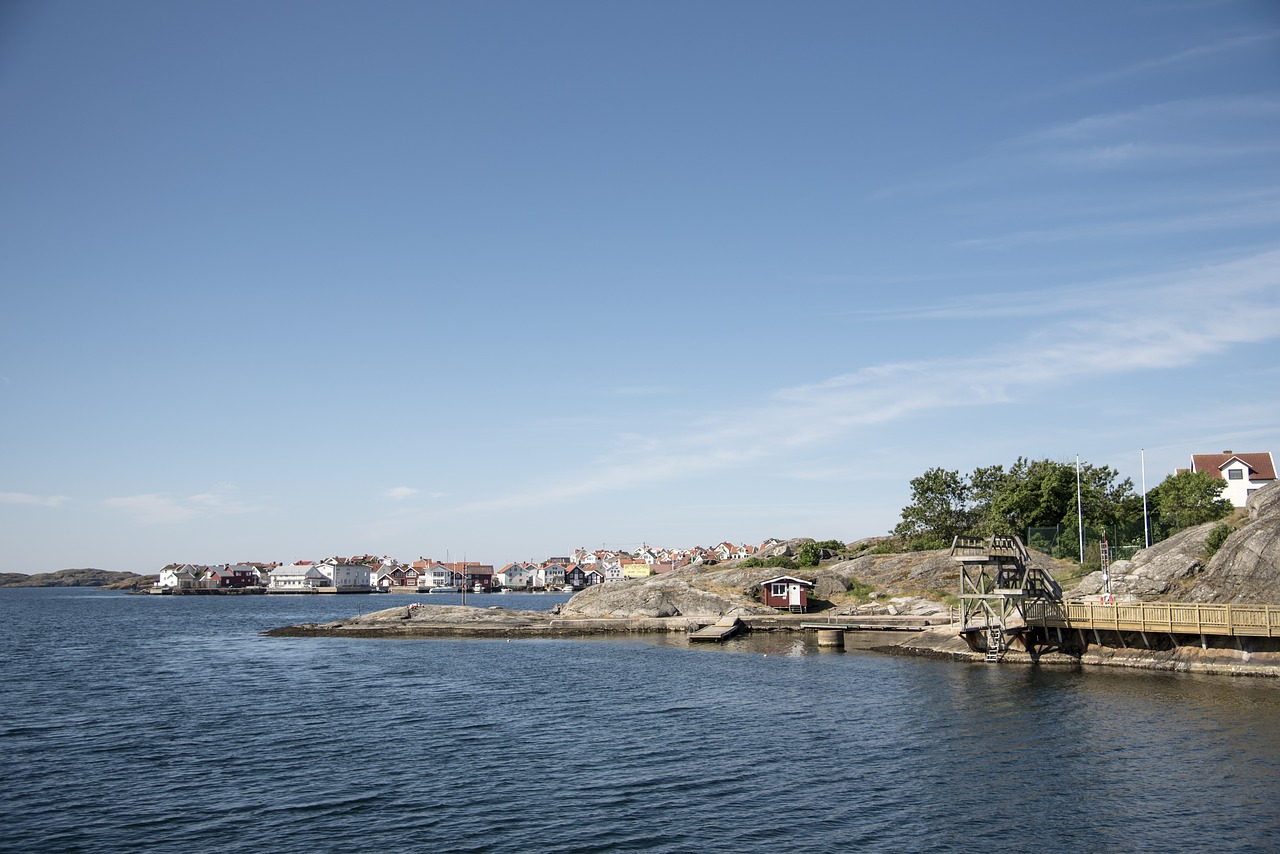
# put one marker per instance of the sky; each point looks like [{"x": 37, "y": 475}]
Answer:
[{"x": 494, "y": 280}]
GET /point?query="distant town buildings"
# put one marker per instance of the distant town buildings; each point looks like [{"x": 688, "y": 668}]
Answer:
[{"x": 368, "y": 573}]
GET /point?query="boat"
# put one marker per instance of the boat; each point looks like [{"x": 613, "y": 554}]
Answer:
[
  {"x": 479, "y": 588},
  {"x": 443, "y": 590}
]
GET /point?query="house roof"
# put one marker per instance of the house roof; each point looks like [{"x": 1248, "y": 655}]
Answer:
[
  {"x": 782, "y": 578},
  {"x": 1261, "y": 466}
]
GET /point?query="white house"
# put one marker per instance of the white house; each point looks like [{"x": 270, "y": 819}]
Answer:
[
  {"x": 300, "y": 577},
  {"x": 515, "y": 576},
  {"x": 330, "y": 576},
  {"x": 180, "y": 576},
  {"x": 345, "y": 576},
  {"x": 1244, "y": 473},
  {"x": 438, "y": 575},
  {"x": 549, "y": 576}
]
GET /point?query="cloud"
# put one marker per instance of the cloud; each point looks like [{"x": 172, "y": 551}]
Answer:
[
  {"x": 23, "y": 498},
  {"x": 1188, "y": 56},
  {"x": 1149, "y": 323},
  {"x": 1255, "y": 214},
  {"x": 158, "y": 509},
  {"x": 400, "y": 492},
  {"x": 644, "y": 390},
  {"x": 1181, "y": 112}
]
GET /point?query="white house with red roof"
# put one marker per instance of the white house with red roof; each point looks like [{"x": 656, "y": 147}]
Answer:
[{"x": 1245, "y": 474}]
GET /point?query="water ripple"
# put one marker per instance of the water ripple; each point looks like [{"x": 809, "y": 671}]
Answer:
[{"x": 170, "y": 725}]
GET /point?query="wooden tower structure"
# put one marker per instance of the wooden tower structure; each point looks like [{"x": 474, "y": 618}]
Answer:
[{"x": 997, "y": 586}]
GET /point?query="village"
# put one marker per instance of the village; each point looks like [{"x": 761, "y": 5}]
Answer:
[{"x": 371, "y": 574}]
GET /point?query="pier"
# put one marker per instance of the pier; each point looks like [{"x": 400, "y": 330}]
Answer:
[
  {"x": 721, "y": 630},
  {"x": 1004, "y": 600}
]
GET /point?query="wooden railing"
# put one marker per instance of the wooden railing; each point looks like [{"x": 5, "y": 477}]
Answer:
[
  {"x": 963, "y": 548},
  {"x": 1170, "y": 617}
]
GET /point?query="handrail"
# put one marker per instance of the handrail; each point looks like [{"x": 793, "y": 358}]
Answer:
[
  {"x": 1169, "y": 617},
  {"x": 997, "y": 546}
]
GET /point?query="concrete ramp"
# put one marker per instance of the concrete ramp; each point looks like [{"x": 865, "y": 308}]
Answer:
[{"x": 722, "y": 629}]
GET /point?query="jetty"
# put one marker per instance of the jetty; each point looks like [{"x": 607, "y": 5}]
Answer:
[
  {"x": 1004, "y": 600},
  {"x": 721, "y": 630}
]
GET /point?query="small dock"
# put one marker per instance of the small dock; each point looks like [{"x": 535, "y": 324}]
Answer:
[{"x": 721, "y": 630}]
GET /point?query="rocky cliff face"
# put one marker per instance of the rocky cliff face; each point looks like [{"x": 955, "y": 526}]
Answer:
[
  {"x": 1245, "y": 569},
  {"x": 1247, "y": 566},
  {"x": 1154, "y": 573},
  {"x": 659, "y": 596}
]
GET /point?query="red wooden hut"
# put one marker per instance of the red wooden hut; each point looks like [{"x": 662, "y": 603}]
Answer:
[{"x": 787, "y": 592}]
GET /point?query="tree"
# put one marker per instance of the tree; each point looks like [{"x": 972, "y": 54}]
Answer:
[
  {"x": 1188, "y": 498},
  {"x": 810, "y": 554},
  {"x": 1031, "y": 493},
  {"x": 939, "y": 509}
]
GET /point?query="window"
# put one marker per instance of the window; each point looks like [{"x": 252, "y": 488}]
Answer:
[
  {"x": 1235, "y": 474},
  {"x": 779, "y": 590}
]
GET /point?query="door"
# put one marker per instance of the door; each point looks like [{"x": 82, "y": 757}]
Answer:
[{"x": 793, "y": 595}]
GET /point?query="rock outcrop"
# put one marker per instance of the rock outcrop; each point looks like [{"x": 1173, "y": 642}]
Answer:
[
  {"x": 1246, "y": 568},
  {"x": 658, "y": 596},
  {"x": 1155, "y": 572},
  {"x": 69, "y": 578}
]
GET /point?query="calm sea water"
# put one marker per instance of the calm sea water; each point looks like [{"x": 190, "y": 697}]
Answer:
[{"x": 133, "y": 723}]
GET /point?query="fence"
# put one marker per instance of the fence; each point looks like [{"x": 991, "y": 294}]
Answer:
[{"x": 1063, "y": 541}]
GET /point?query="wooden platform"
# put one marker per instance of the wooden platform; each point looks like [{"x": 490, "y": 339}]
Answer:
[{"x": 720, "y": 630}]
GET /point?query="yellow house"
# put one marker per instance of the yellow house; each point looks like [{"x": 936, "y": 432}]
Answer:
[{"x": 636, "y": 569}]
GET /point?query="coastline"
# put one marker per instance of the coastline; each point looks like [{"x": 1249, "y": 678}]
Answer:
[{"x": 937, "y": 641}]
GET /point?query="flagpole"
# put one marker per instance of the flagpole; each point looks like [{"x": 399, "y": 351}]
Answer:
[
  {"x": 1146, "y": 520},
  {"x": 1079, "y": 510}
]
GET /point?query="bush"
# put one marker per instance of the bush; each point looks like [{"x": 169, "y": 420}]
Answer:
[{"x": 1216, "y": 538}]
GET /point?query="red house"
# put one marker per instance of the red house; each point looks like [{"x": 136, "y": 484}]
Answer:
[
  {"x": 787, "y": 592},
  {"x": 240, "y": 575}
]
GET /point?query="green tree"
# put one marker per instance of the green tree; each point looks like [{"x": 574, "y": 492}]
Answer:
[
  {"x": 939, "y": 509},
  {"x": 1031, "y": 493},
  {"x": 1036, "y": 493},
  {"x": 1186, "y": 499},
  {"x": 810, "y": 554}
]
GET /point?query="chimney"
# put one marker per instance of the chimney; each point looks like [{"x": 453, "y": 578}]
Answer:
[{"x": 1228, "y": 451}]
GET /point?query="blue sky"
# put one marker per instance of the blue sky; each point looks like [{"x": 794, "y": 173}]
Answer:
[{"x": 291, "y": 279}]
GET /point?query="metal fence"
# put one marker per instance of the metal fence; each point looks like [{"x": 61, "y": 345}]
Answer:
[{"x": 1063, "y": 541}]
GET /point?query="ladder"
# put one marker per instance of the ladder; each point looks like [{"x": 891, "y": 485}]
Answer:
[{"x": 995, "y": 644}]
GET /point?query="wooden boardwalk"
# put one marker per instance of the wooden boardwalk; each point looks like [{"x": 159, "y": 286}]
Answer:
[{"x": 1166, "y": 617}]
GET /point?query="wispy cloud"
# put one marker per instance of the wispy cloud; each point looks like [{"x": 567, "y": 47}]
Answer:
[
  {"x": 39, "y": 500},
  {"x": 1167, "y": 135},
  {"x": 1177, "y": 59},
  {"x": 1185, "y": 111},
  {"x": 644, "y": 390},
  {"x": 1257, "y": 214},
  {"x": 1191, "y": 130},
  {"x": 1153, "y": 323},
  {"x": 159, "y": 509},
  {"x": 400, "y": 492}
]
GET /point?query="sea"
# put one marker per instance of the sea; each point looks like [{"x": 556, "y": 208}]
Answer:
[{"x": 172, "y": 724}]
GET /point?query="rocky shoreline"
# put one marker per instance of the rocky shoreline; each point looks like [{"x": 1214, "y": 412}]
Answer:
[{"x": 416, "y": 622}]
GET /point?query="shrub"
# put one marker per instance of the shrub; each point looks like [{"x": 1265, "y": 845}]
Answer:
[{"x": 1216, "y": 538}]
